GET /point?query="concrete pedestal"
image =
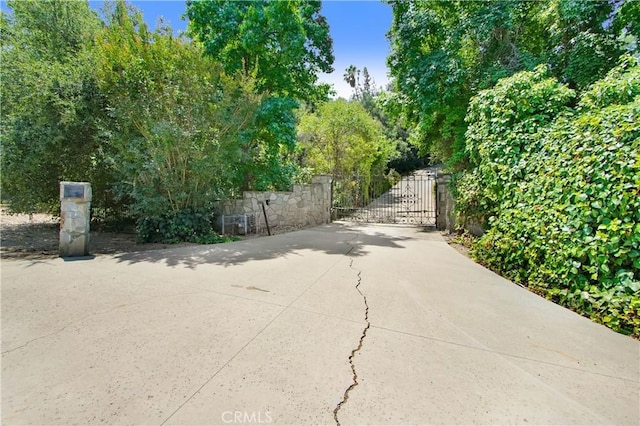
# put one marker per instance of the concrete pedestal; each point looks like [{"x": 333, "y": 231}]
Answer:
[{"x": 75, "y": 207}]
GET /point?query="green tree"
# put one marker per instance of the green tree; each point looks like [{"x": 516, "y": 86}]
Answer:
[
  {"x": 53, "y": 30},
  {"x": 442, "y": 52},
  {"x": 627, "y": 21},
  {"x": 445, "y": 52},
  {"x": 49, "y": 102},
  {"x": 378, "y": 103},
  {"x": 176, "y": 126},
  {"x": 582, "y": 44},
  {"x": 342, "y": 139},
  {"x": 504, "y": 124},
  {"x": 282, "y": 44}
]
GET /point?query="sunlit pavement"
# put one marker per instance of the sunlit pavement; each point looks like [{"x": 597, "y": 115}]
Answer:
[{"x": 262, "y": 331}]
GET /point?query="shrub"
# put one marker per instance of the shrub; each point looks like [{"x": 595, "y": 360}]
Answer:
[
  {"x": 503, "y": 132},
  {"x": 186, "y": 225},
  {"x": 566, "y": 213}
]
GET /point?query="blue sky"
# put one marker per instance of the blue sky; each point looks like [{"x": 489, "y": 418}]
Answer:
[{"x": 358, "y": 29}]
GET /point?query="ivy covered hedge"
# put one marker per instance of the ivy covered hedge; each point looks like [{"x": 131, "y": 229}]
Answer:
[{"x": 556, "y": 180}]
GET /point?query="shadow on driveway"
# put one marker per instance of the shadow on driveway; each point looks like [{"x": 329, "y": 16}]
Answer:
[{"x": 333, "y": 239}]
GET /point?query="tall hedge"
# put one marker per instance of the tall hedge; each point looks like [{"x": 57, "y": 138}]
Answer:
[{"x": 562, "y": 180}]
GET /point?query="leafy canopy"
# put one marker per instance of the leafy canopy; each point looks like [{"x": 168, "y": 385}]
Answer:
[
  {"x": 443, "y": 53},
  {"x": 183, "y": 126},
  {"x": 152, "y": 122},
  {"x": 282, "y": 44},
  {"x": 342, "y": 139}
]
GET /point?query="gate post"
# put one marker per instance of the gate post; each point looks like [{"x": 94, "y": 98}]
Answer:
[
  {"x": 445, "y": 219},
  {"x": 326, "y": 196}
]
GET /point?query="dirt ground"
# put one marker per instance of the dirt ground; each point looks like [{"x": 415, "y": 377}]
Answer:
[
  {"x": 36, "y": 236},
  {"x": 453, "y": 242}
]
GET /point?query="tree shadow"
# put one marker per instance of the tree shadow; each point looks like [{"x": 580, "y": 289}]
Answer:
[
  {"x": 332, "y": 239},
  {"x": 29, "y": 241}
]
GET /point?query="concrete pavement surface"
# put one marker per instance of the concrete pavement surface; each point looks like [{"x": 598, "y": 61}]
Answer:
[{"x": 339, "y": 323}]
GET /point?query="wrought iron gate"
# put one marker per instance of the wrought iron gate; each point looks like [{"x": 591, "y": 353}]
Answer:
[{"x": 409, "y": 200}]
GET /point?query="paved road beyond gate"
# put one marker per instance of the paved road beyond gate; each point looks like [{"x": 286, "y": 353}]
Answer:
[{"x": 411, "y": 200}]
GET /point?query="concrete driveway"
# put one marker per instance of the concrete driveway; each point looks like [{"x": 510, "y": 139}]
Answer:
[{"x": 348, "y": 324}]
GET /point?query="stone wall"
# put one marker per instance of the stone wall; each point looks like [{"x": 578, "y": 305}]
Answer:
[{"x": 304, "y": 205}]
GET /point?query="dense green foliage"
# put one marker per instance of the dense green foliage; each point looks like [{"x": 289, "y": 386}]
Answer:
[
  {"x": 342, "y": 139},
  {"x": 443, "y": 53},
  {"x": 381, "y": 106},
  {"x": 151, "y": 123},
  {"x": 282, "y": 44},
  {"x": 158, "y": 127},
  {"x": 504, "y": 123},
  {"x": 559, "y": 189},
  {"x": 49, "y": 102},
  {"x": 179, "y": 119},
  {"x": 194, "y": 226},
  {"x": 522, "y": 102}
]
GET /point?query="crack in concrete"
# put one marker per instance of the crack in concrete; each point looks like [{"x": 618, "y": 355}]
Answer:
[
  {"x": 289, "y": 306},
  {"x": 355, "y": 383}
]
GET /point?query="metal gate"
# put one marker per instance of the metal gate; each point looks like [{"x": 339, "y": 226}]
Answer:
[{"x": 380, "y": 199}]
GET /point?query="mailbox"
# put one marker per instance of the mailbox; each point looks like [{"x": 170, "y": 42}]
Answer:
[
  {"x": 72, "y": 190},
  {"x": 75, "y": 217}
]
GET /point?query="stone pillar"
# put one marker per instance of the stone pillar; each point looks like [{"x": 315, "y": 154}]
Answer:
[
  {"x": 445, "y": 220},
  {"x": 75, "y": 207},
  {"x": 325, "y": 181}
]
